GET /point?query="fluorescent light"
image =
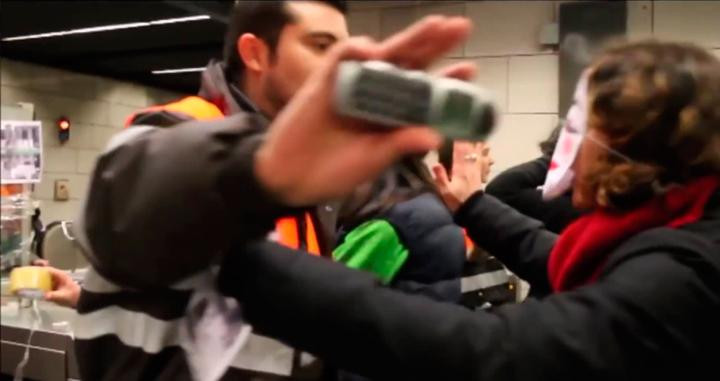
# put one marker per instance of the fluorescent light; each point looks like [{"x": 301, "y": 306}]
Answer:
[
  {"x": 94, "y": 29},
  {"x": 179, "y": 19},
  {"x": 176, "y": 71},
  {"x": 106, "y": 28}
]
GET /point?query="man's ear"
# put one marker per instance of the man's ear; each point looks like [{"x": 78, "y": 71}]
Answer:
[{"x": 254, "y": 52}]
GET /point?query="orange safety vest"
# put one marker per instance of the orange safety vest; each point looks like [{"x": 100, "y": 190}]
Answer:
[
  {"x": 289, "y": 229},
  {"x": 469, "y": 244}
]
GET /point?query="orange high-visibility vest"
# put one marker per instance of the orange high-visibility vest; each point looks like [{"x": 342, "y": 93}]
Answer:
[
  {"x": 192, "y": 106},
  {"x": 469, "y": 244},
  {"x": 290, "y": 231}
]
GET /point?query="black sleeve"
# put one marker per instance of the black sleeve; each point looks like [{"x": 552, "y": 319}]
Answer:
[
  {"x": 518, "y": 187},
  {"x": 520, "y": 242},
  {"x": 163, "y": 203},
  {"x": 556, "y": 214},
  {"x": 527, "y": 175},
  {"x": 650, "y": 315},
  {"x": 443, "y": 291}
]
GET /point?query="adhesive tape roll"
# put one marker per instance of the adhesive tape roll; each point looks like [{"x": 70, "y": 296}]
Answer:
[{"x": 30, "y": 281}]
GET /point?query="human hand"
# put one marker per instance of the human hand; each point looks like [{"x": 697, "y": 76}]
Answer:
[
  {"x": 466, "y": 177},
  {"x": 485, "y": 159},
  {"x": 65, "y": 291},
  {"x": 41, "y": 262},
  {"x": 313, "y": 154}
]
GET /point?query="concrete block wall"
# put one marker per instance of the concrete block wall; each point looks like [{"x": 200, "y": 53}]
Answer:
[
  {"x": 96, "y": 107},
  {"x": 522, "y": 73}
]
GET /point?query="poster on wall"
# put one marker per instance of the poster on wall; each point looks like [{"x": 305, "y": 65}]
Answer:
[{"x": 21, "y": 151}]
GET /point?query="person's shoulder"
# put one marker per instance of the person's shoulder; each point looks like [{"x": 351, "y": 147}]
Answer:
[
  {"x": 661, "y": 268},
  {"x": 518, "y": 177},
  {"x": 426, "y": 226},
  {"x": 687, "y": 246},
  {"x": 425, "y": 209},
  {"x": 167, "y": 119},
  {"x": 539, "y": 164}
]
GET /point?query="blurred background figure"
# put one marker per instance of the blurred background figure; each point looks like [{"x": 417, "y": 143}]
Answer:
[
  {"x": 521, "y": 188},
  {"x": 485, "y": 280},
  {"x": 399, "y": 228}
]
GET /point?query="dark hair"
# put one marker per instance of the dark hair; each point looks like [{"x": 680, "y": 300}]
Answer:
[
  {"x": 659, "y": 104},
  {"x": 547, "y": 146},
  {"x": 264, "y": 19},
  {"x": 405, "y": 180},
  {"x": 445, "y": 155}
]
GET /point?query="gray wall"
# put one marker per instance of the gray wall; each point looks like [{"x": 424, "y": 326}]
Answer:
[
  {"x": 522, "y": 73},
  {"x": 97, "y": 108}
]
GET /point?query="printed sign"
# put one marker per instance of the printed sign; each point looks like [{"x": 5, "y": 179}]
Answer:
[{"x": 21, "y": 153}]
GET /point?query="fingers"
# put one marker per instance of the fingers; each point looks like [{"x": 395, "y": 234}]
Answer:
[
  {"x": 461, "y": 149},
  {"x": 441, "y": 176},
  {"x": 65, "y": 291},
  {"x": 353, "y": 49},
  {"x": 56, "y": 296},
  {"x": 425, "y": 41},
  {"x": 66, "y": 296},
  {"x": 463, "y": 71},
  {"x": 356, "y": 48},
  {"x": 59, "y": 277},
  {"x": 41, "y": 263}
]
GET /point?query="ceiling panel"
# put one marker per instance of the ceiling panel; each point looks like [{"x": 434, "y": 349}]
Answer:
[
  {"x": 24, "y": 17},
  {"x": 129, "y": 54}
]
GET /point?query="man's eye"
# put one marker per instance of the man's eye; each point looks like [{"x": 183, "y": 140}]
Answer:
[{"x": 322, "y": 46}]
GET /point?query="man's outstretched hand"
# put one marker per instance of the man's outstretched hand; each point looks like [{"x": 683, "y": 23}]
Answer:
[{"x": 313, "y": 154}]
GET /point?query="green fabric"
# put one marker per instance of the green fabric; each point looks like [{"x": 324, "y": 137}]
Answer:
[{"x": 375, "y": 247}]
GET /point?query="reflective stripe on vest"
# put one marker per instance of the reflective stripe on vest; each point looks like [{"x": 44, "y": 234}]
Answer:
[{"x": 288, "y": 229}]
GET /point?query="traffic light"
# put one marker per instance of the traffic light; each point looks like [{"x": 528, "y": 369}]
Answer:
[{"x": 63, "y": 129}]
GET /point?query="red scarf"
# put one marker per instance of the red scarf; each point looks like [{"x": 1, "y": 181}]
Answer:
[{"x": 583, "y": 247}]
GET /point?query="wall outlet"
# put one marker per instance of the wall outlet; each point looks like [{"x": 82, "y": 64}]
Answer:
[{"x": 62, "y": 190}]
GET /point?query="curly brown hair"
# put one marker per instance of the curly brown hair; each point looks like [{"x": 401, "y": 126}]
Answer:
[{"x": 659, "y": 104}]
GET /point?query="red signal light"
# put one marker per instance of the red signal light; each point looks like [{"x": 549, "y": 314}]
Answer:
[
  {"x": 63, "y": 129},
  {"x": 64, "y": 123}
]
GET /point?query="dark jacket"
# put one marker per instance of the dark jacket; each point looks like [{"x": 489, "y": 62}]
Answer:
[
  {"x": 436, "y": 247},
  {"x": 164, "y": 205},
  {"x": 652, "y": 314},
  {"x": 424, "y": 227},
  {"x": 519, "y": 187}
]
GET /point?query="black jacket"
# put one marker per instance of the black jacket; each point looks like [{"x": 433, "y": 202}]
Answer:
[
  {"x": 165, "y": 204},
  {"x": 436, "y": 248},
  {"x": 424, "y": 226},
  {"x": 518, "y": 187},
  {"x": 652, "y": 314}
]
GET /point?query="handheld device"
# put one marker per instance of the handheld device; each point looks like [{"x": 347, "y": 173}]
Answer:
[{"x": 387, "y": 95}]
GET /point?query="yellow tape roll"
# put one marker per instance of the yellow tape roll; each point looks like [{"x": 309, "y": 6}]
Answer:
[{"x": 30, "y": 281}]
